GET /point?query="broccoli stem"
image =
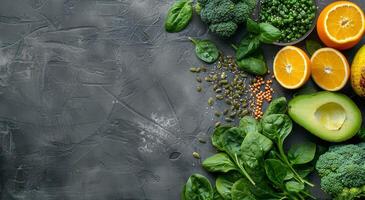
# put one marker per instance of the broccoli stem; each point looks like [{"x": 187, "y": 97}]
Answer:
[{"x": 284, "y": 158}]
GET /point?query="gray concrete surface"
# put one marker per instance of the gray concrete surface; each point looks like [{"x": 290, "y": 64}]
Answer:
[{"x": 97, "y": 103}]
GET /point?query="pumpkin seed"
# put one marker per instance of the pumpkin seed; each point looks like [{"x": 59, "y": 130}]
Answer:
[
  {"x": 217, "y": 113},
  {"x": 219, "y": 97},
  {"x": 196, "y": 155},
  {"x": 217, "y": 124},
  {"x": 199, "y": 88},
  {"x": 198, "y": 79},
  {"x": 210, "y": 101}
]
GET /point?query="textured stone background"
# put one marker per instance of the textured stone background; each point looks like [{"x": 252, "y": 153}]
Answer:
[{"x": 96, "y": 101}]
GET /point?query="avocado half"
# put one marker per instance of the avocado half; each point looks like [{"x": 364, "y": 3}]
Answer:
[{"x": 330, "y": 116}]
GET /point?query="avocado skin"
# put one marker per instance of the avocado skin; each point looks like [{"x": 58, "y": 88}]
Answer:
[{"x": 302, "y": 108}]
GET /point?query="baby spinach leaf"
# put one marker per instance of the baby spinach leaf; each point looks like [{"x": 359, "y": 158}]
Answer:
[
  {"x": 179, "y": 16},
  {"x": 253, "y": 65},
  {"x": 276, "y": 126},
  {"x": 276, "y": 171},
  {"x": 205, "y": 50},
  {"x": 277, "y": 106},
  {"x": 248, "y": 124},
  {"x": 252, "y": 26},
  {"x": 294, "y": 186},
  {"x": 247, "y": 47},
  {"x": 312, "y": 46},
  {"x": 198, "y": 187},
  {"x": 182, "y": 194},
  {"x": 216, "y": 195},
  {"x": 217, "y": 134},
  {"x": 225, "y": 182},
  {"x": 269, "y": 33},
  {"x": 231, "y": 141},
  {"x": 219, "y": 163},
  {"x": 302, "y": 153},
  {"x": 240, "y": 191},
  {"x": 254, "y": 147},
  {"x": 305, "y": 172}
]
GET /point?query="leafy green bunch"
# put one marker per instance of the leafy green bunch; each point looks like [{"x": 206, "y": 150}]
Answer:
[
  {"x": 249, "y": 55},
  {"x": 252, "y": 163},
  {"x": 224, "y": 16}
]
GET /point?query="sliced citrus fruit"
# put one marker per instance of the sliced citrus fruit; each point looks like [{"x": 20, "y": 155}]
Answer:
[
  {"x": 291, "y": 67},
  {"x": 330, "y": 69},
  {"x": 341, "y": 25}
]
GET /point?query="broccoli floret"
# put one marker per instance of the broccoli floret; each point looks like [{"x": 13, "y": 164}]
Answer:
[
  {"x": 222, "y": 13},
  {"x": 224, "y": 29},
  {"x": 216, "y": 11},
  {"x": 241, "y": 13},
  {"x": 342, "y": 171}
]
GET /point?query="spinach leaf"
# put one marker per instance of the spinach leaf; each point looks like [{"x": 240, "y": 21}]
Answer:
[
  {"x": 276, "y": 126},
  {"x": 248, "y": 124},
  {"x": 182, "y": 194},
  {"x": 205, "y": 50},
  {"x": 277, "y": 106},
  {"x": 302, "y": 153},
  {"x": 219, "y": 163},
  {"x": 312, "y": 46},
  {"x": 305, "y": 172},
  {"x": 216, "y": 195},
  {"x": 254, "y": 147},
  {"x": 198, "y": 187},
  {"x": 217, "y": 134},
  {"x": 276, "y": 171},
  {"x": 231, "y": 141},
  {"x": 294, "y": 186},
  {"x": 240, "y": 191},
  {"x": 252, "y": 26},
  {"x": 225, "y": 182},
  {"x": 247, "y": 47},
  {"x": 179, "y": 16},
  {"x": 253, "y": 65},
  {"x": 269, "y": 33}
]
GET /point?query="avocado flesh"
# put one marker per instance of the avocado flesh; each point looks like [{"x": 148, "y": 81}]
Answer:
[{"x": 330, "y": 116}]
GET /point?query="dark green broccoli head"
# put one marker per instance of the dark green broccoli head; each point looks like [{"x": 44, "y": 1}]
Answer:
[
  {"x": 342, "y": 170},
  {"x": 241, "y": 13},
  {"x": 216, "y": 11},
  {"x": 224, "y": 29},
  {"x": 219, "y": 14}
]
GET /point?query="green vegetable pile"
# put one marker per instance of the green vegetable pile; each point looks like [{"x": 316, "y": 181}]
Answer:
[
  {"x": 224, "y": 16},
  {"x": 293, "y": 17},
  {"x": 342, "y": 171},
  {"x": 249, "y": 55},
  {"x": 252, "y": 162}
]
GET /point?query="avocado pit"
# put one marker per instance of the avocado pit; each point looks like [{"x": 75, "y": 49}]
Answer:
[{"x": 331, "y": 115}]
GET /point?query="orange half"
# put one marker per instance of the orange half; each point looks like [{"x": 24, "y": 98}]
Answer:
[
  {"x": 341, "y": 25},
  {"x": 330, "y": 69},
  {"x": 291, "y": 67}
]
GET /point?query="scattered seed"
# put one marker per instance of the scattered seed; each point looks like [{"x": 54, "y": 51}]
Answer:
[
  {"x": 218, "y": 90},
  {"x": 219, "y": 97},
  {"x": 196, "y": 155},
  {"x": 202, "y": 141},
  {"x": 227, "y": 119},
  {"x": 198, "y": 79},
  {"x": 193, "y": 69},
  {"x": 223, "y": 82},
  {"x": 217, "y": 124},
  {"x": 217, "y": 113},
  {"x": 199, "y": 88},
  {"x": 210, "y": 101},
  {"x": 225, "y": 112}
]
